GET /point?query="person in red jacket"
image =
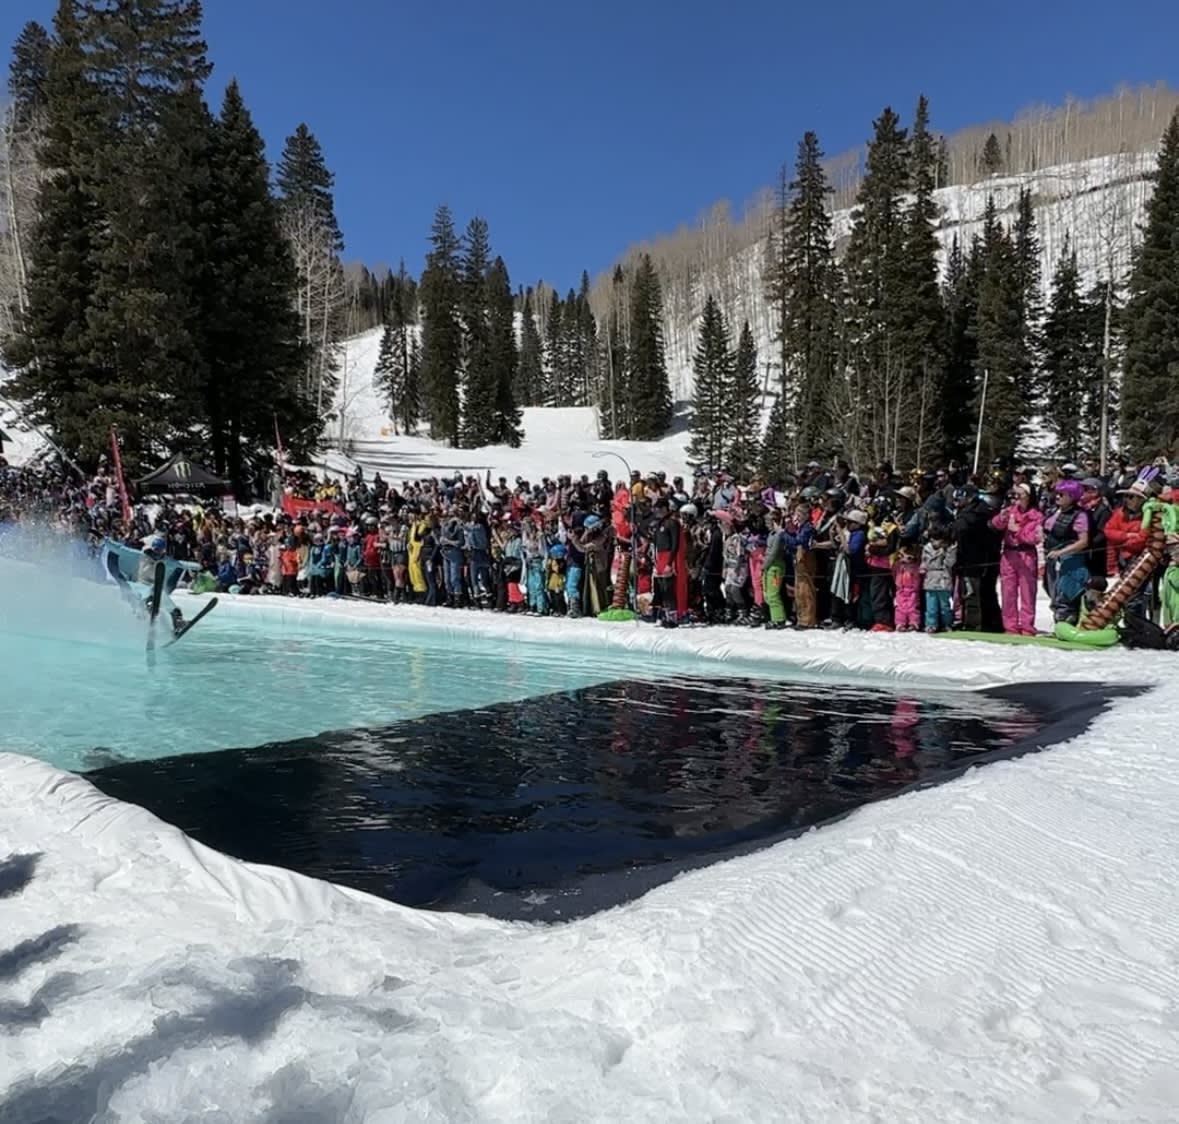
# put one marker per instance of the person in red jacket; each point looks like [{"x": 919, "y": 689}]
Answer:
[
  {"x": 1127, "y": 540},
  {"x": 371, "y": 554}
]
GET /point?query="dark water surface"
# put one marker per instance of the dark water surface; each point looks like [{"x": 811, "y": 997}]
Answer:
[{"x": 562, "y": 804}]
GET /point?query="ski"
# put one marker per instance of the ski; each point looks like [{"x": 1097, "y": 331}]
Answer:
[
  {"x": 157, "y": 597},
  {"x": 188, "y": 624}
]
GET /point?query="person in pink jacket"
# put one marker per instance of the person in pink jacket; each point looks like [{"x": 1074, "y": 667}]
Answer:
[{"x": 1019, "y": 523}]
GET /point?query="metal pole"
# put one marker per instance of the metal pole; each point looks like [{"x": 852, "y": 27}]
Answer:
[
  {"x": 982, "y": 407},
  {"x": 1105, "y": 380}
]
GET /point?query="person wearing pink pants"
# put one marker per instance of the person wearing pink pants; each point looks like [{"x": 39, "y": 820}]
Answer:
[{"x": 1020, "y": 525}]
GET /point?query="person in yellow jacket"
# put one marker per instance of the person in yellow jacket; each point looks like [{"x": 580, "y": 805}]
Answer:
[{"x": 417, "y": 569}]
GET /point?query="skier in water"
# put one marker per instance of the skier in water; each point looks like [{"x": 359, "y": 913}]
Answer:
[
  {"x": 136, "y": 572},
  {"x": 155, "y": 551}
]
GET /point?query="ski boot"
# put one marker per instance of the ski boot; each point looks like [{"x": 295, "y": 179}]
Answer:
[{"x": 177, "y": 622}]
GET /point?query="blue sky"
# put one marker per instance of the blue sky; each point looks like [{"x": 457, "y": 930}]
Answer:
[{"x": 578, "y": 129}]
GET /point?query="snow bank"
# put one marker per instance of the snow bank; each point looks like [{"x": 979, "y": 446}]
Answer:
[
  {"x": 897, "y": 659},
  {"x": 1000, "y": 948}
]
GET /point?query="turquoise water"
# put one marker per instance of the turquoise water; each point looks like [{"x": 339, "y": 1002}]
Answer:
[{"x": 79, "y": 693}]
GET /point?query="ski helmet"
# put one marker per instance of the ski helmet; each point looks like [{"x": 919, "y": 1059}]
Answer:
[
  {"x": 557, "y": 550},
  {"x": 158, "y": 544}
]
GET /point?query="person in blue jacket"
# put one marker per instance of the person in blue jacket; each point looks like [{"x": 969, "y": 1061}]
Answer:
[{"x": 316, "y": 569}]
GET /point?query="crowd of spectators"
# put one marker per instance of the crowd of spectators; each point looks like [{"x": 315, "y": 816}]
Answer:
[{"x": 935, "y": 550}]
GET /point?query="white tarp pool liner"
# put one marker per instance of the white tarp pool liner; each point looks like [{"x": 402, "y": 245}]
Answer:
[{"x": 1005, "y": 947}]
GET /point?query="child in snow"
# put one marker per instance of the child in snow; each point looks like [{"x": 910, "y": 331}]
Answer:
[
  {"x": 938, "y": 559},
  {"x": 907, "y": 579},
  {"x": 289, "y": 563},
  {"x": 555, "y": 578},
  {"x": 757, "y": 555}
]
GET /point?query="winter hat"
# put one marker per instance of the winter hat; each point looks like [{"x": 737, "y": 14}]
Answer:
[
  {"x": 1022, "y": 489},
  {"x": 1092, "y": 484}
]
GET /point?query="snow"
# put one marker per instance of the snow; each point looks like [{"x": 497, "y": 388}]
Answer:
[
  {"x": 23, "y": 443},
  {"x": 1096, "y": 204},
  {"x": 1004, "y": 947},
  {"x": 556, "y": 439}
]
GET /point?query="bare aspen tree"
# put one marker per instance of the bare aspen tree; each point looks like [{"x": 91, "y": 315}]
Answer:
[
  {"x": 321, "y": 299},
  {"x": 20, "y": 180}
]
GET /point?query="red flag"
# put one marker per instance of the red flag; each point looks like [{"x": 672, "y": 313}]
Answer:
[{"x": 119, "y": 476}]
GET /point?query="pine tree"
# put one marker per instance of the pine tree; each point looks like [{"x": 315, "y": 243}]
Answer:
[
  {"x": 250, "y": 330},
  {"x": 960, "y": 297},
  {"x": 801, "y": 284},
  {"x": 712, "y": 368},
  {"x": 479, "y": 379},
  {"x": 614, "y": 400},
  {"x": 146, "y": 63},
  {"x": 588, "y": 344},
  {"x": 504, "y": 427},
  {"x": 1027, "y": 271},
  {"x": 55, "y": 380},
  {"x": 1004, "y": 361},
  {"x": 140, "y": 52},
  {"x": 743, "y": 405},
  {"x": 442, "y": 333},
  {"x": 529, "y": 372},
  {"x": 649, "y": 393},
  {"x": 397, "y": 373},
  {"x": 127, "y": 77},
  {"x": 991, "y": 159},
  {"x": 572, "y": 350},
  {"x": 1072, "y": 359},
  {"x": 922, "y": 314},
  {"x": 556, "y": 361},
  {"x": 304, "y": 181},
  {"x": 1150, "y": 383},
  {"x": 877, "y": 284},
  {"x": 28, "y": 72},
  {"x": 942, "y": 163}
]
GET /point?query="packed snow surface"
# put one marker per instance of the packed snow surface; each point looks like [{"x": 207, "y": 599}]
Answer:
[{"x": 1002, "y": 948}]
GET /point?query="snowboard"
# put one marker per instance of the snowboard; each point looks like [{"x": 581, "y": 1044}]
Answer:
[{"x": 205, "y": 611}]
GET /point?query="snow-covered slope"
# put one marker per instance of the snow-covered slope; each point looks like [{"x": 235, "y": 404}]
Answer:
[
  {"x": 555, "y": 439},
  {"x": 1095, "y": 204}
]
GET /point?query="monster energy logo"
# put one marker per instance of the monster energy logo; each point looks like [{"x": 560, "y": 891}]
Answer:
[{"x": 183, "y": 470}]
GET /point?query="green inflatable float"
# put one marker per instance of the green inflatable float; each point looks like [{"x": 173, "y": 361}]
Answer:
[{"x": 1073, "y": 640}]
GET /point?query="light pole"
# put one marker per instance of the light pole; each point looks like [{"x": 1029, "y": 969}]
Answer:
[{"x": 630, "y": 491}]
